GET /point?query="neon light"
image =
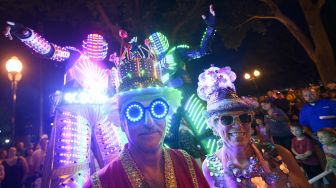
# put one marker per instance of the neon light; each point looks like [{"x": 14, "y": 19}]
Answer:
[
  {"x": 90, "y": 75},
  {"x": 159, "y": 42},
  {"x": 95, "y": 47},
  {"x": 85, "y": 97}
]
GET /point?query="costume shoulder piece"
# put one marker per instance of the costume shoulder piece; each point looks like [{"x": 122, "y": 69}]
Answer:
[{"x": 95, "y": 181}]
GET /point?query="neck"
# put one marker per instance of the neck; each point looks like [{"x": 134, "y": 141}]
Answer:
[
  {"x": 300, "y": 137},
  {"x": 146, "y": 159},
  {"x": 238, "y": 155}
]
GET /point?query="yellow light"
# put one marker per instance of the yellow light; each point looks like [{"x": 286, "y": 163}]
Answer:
[
  {"x": 14, "y": 65},
  {"x": 247, "y": 76},
  {"x": 256, "y": 73}
]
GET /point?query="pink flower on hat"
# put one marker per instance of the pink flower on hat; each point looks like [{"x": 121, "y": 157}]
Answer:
[{"x": 213, "y": 79}]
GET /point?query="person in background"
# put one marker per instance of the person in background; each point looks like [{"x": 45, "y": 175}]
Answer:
[
  {"x": 20, "y": 149},
  {"x": 303, "y": 149},
  {"x": 15, "y": 168},
  {"x": 317, "y": 113},
  {"x": 281, "y": 102},
  {"x": 262, "y": 131},
  {"x": 3, "y": 155},
  {"x": 277, "y": 122},
  {"x": 37, "y": 160},
  {"x": 327, "y": 137},
  {"x": 31, "y": 175}
]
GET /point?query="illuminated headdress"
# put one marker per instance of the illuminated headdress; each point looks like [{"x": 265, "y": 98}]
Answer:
[
  {"x": 215, "y": 86},
  {"x": 139, "y": 75},
  {"x": 95, "y": 47}
]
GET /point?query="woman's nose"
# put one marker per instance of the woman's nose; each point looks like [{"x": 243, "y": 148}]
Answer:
[{"x": 237, "y": 123}]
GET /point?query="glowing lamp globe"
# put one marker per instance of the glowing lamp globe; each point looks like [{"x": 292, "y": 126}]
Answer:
[
  {"x": 256, "y": 73},
  {"x": 247, "y": 76},
  {"x": 14, "y": 65}
]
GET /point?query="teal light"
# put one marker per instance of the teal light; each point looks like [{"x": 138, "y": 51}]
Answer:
[
  {"x": 165, "y": 78},
  {"x": 160, "y": 42},
  {"x": 129, "y": 75},
  {"x": 194, "y": 108},
  {"x": 168, "y": 122}
]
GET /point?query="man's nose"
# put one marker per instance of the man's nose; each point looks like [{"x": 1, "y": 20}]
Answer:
[{"x": 149, "y": 122}]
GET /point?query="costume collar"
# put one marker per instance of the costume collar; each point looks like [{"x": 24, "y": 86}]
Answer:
[{"x": 135, "y": 176}]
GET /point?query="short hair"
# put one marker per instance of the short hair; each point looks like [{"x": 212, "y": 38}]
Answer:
[
  {"x": 296, "y": 125},
  {"x": 330, "y": 131}
]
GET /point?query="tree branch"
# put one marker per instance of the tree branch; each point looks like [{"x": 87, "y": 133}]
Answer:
[
  {"x": 292, "y": 28},
  {"x": 114, "y": 28},
  {"x": 185, "y": 19},
  {"x": 238, "y": 27}
]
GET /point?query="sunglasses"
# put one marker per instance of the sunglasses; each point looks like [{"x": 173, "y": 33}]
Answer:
[
  {"x": 135, "y": 111},
  {"x": 229, "y": 119}
]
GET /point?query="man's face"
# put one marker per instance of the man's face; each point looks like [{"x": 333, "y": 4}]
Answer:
[
  {"x": 310, "y": 95},
  {"x": 234, "y": 133},
  {"x": 12, "y": 152},
  {"x": 20, "y": 146},
  {"x": 270, "y": 93},
  {"x": 44, "y": 142},
  {"x": 146, "y": 134}
]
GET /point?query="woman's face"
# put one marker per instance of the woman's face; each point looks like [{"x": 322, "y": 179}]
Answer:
[{"x": 233, "y": 127}]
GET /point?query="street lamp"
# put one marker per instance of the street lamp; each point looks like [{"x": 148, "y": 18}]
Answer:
[
  {"x": 253, "y": 77},
  {"x": 14, "y": 68}
]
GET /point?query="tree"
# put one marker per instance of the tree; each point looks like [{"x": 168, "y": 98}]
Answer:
[{"x": 316, "y": 43}]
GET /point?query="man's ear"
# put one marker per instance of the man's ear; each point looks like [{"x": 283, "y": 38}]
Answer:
[{"x": 122, "y": 125}]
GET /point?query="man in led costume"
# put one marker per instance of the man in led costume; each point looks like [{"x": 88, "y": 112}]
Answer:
[
  {"x": 81, "y": 125},
  {"x": 174, "y": 74},
  {"x": 143, "y": 105}
]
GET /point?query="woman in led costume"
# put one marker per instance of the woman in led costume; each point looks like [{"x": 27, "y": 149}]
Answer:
[
  {"x": 81, "y": 125},
  {"x": 239, "y": 162}
]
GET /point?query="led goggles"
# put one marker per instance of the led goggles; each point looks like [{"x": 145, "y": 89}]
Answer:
[
  {"x": 229, "y": 119},
  {"x": 135, "y": 111}
]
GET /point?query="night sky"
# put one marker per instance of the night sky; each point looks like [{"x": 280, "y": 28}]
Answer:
[{"x": 281, "y": 60}]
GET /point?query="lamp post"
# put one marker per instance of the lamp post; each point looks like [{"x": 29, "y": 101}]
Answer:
[
  {"x": 14, "y": 68},
  {"x": 253, "y": 77}
]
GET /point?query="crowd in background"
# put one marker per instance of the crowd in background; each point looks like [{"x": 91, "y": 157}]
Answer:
[
  {"x": 21, "y": 166},
  {"x": 304, "y": 122}
]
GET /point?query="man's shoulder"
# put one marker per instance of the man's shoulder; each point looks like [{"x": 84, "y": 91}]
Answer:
[
  {"x": 326, "y": 101},
  {"x": 106, "y": 176}
]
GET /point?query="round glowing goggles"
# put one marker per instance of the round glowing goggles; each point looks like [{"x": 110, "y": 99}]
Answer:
[
  {"x": 135, "y": 111},
  {"x": 229, "y": 119}
]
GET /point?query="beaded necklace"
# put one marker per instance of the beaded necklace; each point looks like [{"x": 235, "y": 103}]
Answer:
[{"x": 257, "y": 174}]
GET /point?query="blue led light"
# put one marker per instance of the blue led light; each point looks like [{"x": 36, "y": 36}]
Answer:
[
  {"x": 159, "y": 108},
  {"x": 135, "y": 112}
]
